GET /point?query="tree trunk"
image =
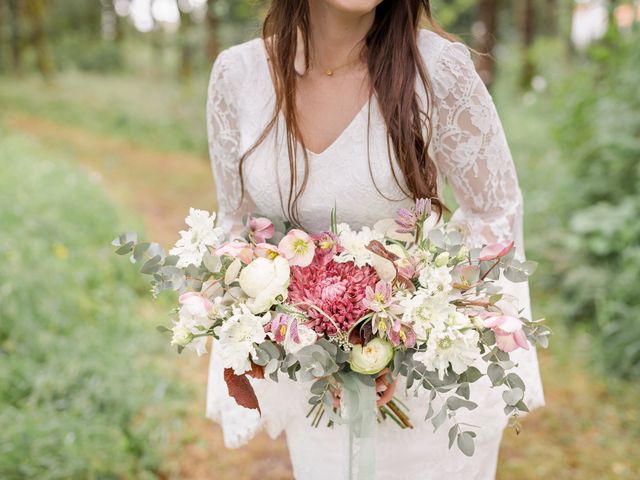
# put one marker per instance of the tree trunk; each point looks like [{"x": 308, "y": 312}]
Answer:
[
  {"x": 186, "y": 47},
  {"x": 15, "y": 34},
  {"x": 36, "y": 12},
  {"x": 212, "y": 24},
  {"x": 2, "y": 37},
  {"x": 486, "y": 39},
  {"x": 527, "y": 33}
]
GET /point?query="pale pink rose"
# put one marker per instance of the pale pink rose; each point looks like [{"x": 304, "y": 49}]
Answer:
[
  {"x": 495, "y": 251},
  {"x": 237, "y": 249},
  {"x": 195, "y": 300},
  {"x": 266, "y": 250},
  {"x": 508, "y": 331},
  {"x": 298, "y": 248},
  {"x": 261, "y": 229}
]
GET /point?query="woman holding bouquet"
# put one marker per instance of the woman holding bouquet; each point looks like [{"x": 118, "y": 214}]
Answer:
[{"x": 350, "y": 104}]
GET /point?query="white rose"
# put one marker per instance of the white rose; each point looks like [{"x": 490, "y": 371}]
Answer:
[{"x": 264, "y": 280}]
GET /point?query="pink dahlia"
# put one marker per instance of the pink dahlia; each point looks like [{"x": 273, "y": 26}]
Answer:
[{"x": 335, "y": 288}]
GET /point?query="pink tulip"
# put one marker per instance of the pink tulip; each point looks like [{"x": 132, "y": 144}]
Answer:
[
  {"x": 298, "y": 248},
  {"x": 261, "y": 229},
  {"x": 508, "y": 331},
  {"x": 237, "y": 249},
  {"x": 495, "y": 251}
]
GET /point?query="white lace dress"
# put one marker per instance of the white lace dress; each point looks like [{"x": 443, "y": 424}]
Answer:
[{"x": 471, "y": 153}]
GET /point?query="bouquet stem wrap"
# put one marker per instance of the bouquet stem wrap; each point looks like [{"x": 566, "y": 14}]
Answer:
[{"x": 358, "y": 411}]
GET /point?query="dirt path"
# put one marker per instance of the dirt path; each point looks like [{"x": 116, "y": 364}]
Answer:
[{"x": 161, "y": 187}]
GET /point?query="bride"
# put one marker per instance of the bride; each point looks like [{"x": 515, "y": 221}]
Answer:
[{"x": 349, "y": 104}]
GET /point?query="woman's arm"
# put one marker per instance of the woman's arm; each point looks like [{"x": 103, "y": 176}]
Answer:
[
  {"x": 471, "y": 151},
  {"x": 223, "y": 129}
]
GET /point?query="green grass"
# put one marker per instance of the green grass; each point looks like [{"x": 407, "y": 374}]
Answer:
[
  {"x": 154, "y": 111},
  {"x": 82, "y": 393}
]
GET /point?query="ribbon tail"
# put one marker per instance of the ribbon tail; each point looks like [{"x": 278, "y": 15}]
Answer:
[{"x": 359, "y": 407}]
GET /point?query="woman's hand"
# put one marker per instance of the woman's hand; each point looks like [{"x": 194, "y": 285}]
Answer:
[{"x": 384, "y": 389}]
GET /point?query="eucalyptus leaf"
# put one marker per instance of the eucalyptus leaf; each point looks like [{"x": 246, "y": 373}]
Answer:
[
  {"x": 495, "y": 373},
  {"x": 454, "y": 403},
  {"x": 439, "y": 419},
  {"x": 513, "y": 396},
  {"x": 466, "y": 443},
  {"x": 453, "y": 432}
]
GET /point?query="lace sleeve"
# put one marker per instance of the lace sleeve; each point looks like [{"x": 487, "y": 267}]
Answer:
[
  {"x": 471, "y": 151},
  {"x": 223, "y": 129}
]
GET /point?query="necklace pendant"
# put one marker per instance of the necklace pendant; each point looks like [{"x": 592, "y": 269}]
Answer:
[{"x": 328, "y": 72}]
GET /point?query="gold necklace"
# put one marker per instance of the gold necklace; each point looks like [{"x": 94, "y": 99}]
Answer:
[{"x": 329, "y": 71}]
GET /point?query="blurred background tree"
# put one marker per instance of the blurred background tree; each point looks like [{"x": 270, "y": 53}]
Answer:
[{"x": 102, "y": 124}]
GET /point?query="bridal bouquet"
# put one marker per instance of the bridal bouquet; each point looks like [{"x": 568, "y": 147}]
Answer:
[{"x": 348, "y": 309}]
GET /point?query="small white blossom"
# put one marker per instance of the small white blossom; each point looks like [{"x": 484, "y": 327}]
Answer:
[
  {"x": 355, "y": 245},
  {"x": 425, "y": 312},
  {"x": 458, "y": 348},
  {"x": 238, "y": 336},
  {"x": 193, "y": 243},
  {"x": 436, "y": 280}
]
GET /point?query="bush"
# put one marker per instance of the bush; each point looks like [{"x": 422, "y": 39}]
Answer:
[
  {"x": 599, "y": 133},
  {"x": 79, "y": 393}
]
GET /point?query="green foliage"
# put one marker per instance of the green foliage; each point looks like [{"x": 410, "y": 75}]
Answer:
[
  {"x": 599, "y": 134},
  {"x": 79, "y": 395}
]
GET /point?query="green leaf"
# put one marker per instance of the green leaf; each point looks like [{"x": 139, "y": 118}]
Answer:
[
  {"x": 125, "y": 249},
  {"x": 464, "y": 391},
  {"x": 453, "y": 432},
  {"x": 471, "y": 375},
  {"x": 439, "y": 419},
  {"x": 162, "y": 329},
  {"x": 513, "y": 396},
  {"x": 495, "y": 373},
  {"x": 466, "y": 443},
  {"x": 454, "y": 403}
]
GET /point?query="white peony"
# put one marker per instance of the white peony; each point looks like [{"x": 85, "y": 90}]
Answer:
[
  {"x": 237, "y": 338},
  {"x": 355, "y": 245},
  {"x": 193, "y": 243},
  {"x": 265, "y": 282},
  {"x": 307, "y": 336},
  {"x": 458, "y": 348}
]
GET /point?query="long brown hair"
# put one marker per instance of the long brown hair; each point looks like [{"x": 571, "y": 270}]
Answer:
[{"x": 394, "y": 64}]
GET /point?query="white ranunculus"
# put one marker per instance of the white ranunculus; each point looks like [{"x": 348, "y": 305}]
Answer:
[
  {"x": 458, "y": 348},
  {"x": 265, "y": 281},
  {"x": 371, "y": 358},
  {"x": 307, "y": 336},
  {"x": 237, "y": 338}
]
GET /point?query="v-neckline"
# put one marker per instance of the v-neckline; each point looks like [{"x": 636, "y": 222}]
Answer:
[{"x": 343, "y": 132}]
